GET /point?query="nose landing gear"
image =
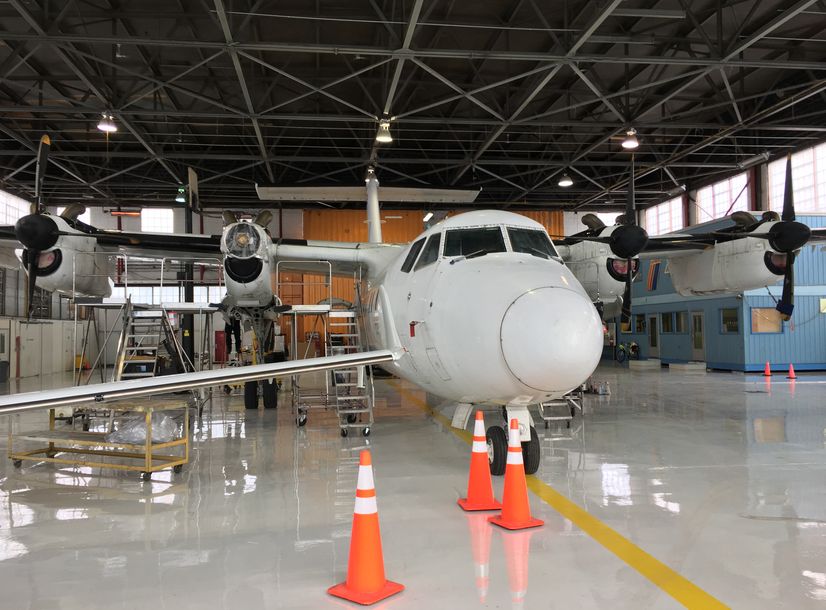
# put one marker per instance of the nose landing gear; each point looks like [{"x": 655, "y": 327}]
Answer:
[{"x": 497, "y": 440}]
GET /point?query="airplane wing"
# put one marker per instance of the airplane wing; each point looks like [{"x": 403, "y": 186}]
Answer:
[{"x": 104, "y": 392}]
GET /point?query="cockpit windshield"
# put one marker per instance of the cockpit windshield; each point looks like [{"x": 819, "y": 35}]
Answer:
[
  {"x": 531, "y": 241},
  {"x": 474, "y": 242}
]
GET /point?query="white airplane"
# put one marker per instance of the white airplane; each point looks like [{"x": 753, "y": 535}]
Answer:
[{"x": 481, "y": 308}]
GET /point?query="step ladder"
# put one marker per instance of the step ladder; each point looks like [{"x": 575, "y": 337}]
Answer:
[
  {"x": 147, "y": 337},
  {"x": 353, "y": 385},
  {"x": 562, "y": 409}
]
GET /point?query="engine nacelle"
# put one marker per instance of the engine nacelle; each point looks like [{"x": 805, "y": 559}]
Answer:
[
  {"x": 730, "y": 267},
  {"x": 248, "y": 272},
  {"x": 73, "y": 266}
]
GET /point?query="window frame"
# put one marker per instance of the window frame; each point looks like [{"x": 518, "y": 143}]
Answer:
[
  {"x": 752, "y": 311},
  {"x": 505, "y": 241},
  {"x": 421, "y": 263},
  {"x": 640, "y": 328},
  {"x": 148, "y": 216},
  {"x": 723, "y": 330},
  {"x": 412, "y": 255},
  {"x": 666, "y": 315},
  {"x": 552, "y": 255},
  {"x": 677, "y": 315}
]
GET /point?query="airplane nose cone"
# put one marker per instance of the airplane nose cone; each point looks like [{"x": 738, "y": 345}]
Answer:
[
  {"x": 36, "y": 232},
  {"x": 551, "y": 339}
]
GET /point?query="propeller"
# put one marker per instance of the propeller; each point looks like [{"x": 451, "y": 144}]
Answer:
[
  {"x": 36, "y": 231},
  {"x": 787, "y": 236},
  {"x": 627, "y": 241}
]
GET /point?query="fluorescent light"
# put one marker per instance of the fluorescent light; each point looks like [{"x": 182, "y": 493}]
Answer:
[
  {"x": 630, "y": 142},
  {"x": 181, "y": 196},
  {"x": 676, "y": 191},
  {"x": 427, "y": 216},
  {"x": 565, "y": 181},
  {"x": 383, "y": 135},
  {"x": 756, "y": 159},
  {"x": 107, "y": 123},
  {"x": 124, "y": 212}
]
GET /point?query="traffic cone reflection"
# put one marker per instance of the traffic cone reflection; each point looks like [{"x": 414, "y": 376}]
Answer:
[
  {"x": 365, "y": 582},
  {"x": 479, "y": 484},
  {"x": 480, "y": 535},
  {"x": 516, "y": 509},
  {"x": 517, "y": 551}
]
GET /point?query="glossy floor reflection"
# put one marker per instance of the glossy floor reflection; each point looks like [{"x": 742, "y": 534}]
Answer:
[{"x": 719, "y": 476}]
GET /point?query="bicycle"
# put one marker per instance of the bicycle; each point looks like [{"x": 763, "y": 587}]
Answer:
[{"x": 626, "y": 351}]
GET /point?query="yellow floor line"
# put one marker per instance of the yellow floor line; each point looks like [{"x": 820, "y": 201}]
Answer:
[{"x": 675, "y": 585}]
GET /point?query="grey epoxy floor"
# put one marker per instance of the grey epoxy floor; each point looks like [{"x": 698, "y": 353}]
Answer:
[{"x": 722, "y": 477}]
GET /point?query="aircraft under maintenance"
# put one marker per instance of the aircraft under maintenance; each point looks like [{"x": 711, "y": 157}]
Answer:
[{"x": 481, "y": 308}]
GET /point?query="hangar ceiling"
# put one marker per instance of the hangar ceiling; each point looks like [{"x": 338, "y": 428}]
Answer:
[{"x": 499, "y": 95}]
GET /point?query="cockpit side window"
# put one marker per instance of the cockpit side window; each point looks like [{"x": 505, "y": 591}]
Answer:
[
  {"x": 430, "y": 252},
  {"x": 411, "y": 256},
  {"x": 532, "y": 241},
  {"x": 477, "y": 241}
]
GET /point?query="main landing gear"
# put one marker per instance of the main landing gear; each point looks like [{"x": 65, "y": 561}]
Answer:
[{"x": 497, "y": 440}]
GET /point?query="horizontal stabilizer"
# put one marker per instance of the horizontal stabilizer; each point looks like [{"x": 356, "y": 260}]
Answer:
[{"x": 359, "y": 193}]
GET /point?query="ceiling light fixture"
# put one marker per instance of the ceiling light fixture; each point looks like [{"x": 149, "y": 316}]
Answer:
[
  {"x": 565, "y": 180},
  {"x": 427, "y": 216},
  {"x": 756, "y": 159},
  {"x": 630, "y": 142},
  {"x": 383, "y": 135},
  {"x": 676, "y": 191},
  {"x": 107, "y": 123},
  {"x": 181, "y": 196},
  {"x": 119, "y": 212}
]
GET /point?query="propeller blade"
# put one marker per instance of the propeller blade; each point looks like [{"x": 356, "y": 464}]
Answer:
[
  {"x": 786, "y": 304},
  {"x": 73, "y": 211},
  {"x": 263, "y": 218},
  {"x": 593, "y": 222},
  {"x": 40, "y": 172},
  {"x": 31, "y": 281},
  {"x": 626, "y": 295},
  {"x": 194, "y": 197},
  {"x": 229, "y": 217},
  {"x": 788, "y": 193}
]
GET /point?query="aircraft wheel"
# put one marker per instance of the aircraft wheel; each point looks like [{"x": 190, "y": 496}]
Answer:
[
  {"x": 531, "y": 454},
  {"x": 344, "y": 433},
  {"x": 227, "y": 389},
  {"x": 146, "y": 476},
  {"x": 177, "y": 468},
  {"x": 270, "y": 394},
  {"x": 497, "y": 440},
  {"x": 365, "y": 432},
  {"x": 251, "y": 394}
]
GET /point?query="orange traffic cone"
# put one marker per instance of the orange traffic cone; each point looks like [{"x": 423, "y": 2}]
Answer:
[
  {"x": 767, "y": 371},
  {"x": 479, "y": 485},
  {"x": 517, "y": 551},
  {"x": 516, "y": 510},
  {"x": 365, "y": 582},
  {"x": 480, "y": 535},
  {"x": 791, "y": 374}
]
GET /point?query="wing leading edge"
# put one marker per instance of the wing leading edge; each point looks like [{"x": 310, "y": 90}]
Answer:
[{"x": 103, "y": 392}]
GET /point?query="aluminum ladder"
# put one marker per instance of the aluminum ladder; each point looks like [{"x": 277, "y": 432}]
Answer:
[{"x": 353, "y": 386}]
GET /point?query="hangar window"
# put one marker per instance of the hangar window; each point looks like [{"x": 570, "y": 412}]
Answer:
[
  {"x": 667, "y": 322},
  {"x": 411, "y": 256},
  {"x": 766, "y": 320},
  {"x": 681, "y": 322},
  {"x": 729, "y": 321},
  {"x": 12, "y": 208},
  {"x": 430, "y": 252},
  {"x": 467, "y": 242},
  {"x": 157, "y": 220},
  {"x": 665, "y": 217},
  {"x": 531, "y": 241},
  {"x": 809, "y": 180},
  {"x": 86, "y": 217},
  {"x": 722, "y": 198}
]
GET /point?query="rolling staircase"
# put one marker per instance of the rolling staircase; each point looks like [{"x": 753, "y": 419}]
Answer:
[
  {"x": 353, "y": 386},
  {"x": 148, "y": 345}
]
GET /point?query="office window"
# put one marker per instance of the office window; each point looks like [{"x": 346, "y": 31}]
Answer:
[
  {"x": 723, "y": 198},
  {"x": 86, "y": 217},
  {"x": 667, "y": 322},
  {"x": 808, "y": 180},
  {"x": 666, "y": 217},
  {"x": 12, "y": 208},
  {"x": 729, "y": 321},
  {"x": 157, "y": 220},
  {"x": 766, "y": 320},
  {"x": 639, "y": 323},
  {"x": 681, "y": 322}
]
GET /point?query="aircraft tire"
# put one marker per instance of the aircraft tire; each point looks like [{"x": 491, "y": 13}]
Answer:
[
  {"x": 531, "y": 454},
  {"x": 251, "y": 394},
  {"x": 270, "y": 393},
  {"x": 497, "y": 440}
]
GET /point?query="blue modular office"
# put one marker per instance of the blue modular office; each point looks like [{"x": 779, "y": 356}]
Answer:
[{"x": 733, "y": 332}]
